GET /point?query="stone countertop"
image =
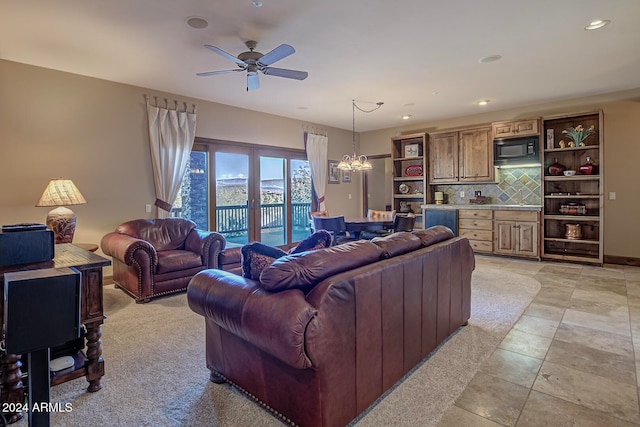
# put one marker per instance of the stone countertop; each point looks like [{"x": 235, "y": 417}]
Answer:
[{"x": 485, "y": 206}]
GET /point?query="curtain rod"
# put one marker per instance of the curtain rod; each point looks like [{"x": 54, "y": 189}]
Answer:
[{"x": 166, "y": 104}]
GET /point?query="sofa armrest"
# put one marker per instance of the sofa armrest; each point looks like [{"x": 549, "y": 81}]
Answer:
[
  {"x": 129, "y": 250},
  {"x": 208, "y": 244},
  {"x": 274, "y": 322}
]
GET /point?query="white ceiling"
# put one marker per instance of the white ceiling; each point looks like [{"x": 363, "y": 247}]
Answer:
[{"x": 400, "y": 52}]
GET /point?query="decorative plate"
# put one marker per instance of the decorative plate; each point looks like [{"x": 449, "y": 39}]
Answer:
[
  {"x": 413, "y": 170},
  {"x": 404, "y": 188}
]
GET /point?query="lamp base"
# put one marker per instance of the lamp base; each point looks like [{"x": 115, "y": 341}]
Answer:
[{"x": 63, "y": 223}]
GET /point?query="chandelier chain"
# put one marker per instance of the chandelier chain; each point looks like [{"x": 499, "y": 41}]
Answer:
[{"x": 355, "y": 162}]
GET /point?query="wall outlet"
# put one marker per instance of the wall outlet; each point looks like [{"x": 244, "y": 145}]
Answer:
[
  {"x": 462, "y": 194},
  {"x": 349, "y": 196},
  {"x": 147, "y": 208}
]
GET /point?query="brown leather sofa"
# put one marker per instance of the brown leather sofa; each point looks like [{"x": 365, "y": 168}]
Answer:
[
  {"x": 324, "y": 333},
  {"x": 158, "y": 257}
]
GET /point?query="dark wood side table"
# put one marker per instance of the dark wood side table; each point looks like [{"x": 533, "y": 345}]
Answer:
[{"x": 89, "y": 363}]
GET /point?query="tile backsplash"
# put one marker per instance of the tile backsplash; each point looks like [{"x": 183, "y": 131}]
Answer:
[{"x": 511, "y": 186}]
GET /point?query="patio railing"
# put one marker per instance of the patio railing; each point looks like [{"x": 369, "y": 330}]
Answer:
[{"x": 233, "y": 219}]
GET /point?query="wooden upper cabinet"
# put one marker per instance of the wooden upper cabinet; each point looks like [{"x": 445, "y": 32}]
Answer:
[
  {"x": 515, "y": 128},
  {"x": 476, "y": 155},
  {"x": 443, "y": 157},
  {"x": 461, "y": 156}
]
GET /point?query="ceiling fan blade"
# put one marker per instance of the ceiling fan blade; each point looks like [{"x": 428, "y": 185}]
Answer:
[
  {"x": 276, "y": 54},
  {"x": 253, "y": 82},
  {"x": 226, "y": 55},
  {"x": 283, "y": 72},
  {"x": 213, "y": 73}
]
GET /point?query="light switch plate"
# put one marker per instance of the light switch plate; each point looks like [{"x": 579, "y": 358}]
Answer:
[{"x": 612, "y": 195}]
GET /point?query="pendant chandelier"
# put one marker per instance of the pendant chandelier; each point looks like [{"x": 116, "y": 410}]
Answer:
[{"x": 354, "y": 162}]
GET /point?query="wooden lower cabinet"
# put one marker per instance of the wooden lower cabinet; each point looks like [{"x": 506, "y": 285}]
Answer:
[
  {"x": 501, "y": 232},
  {"x": 477, "y": 226},
  {"x": 516, "y": 233}
]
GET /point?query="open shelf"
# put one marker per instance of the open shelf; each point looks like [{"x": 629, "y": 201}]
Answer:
[
  {"x": 558, "y": 239},
  {"x": 574, "y": 196},
  {"x": 572, "y": 178},
  {"x": 564, "y": 193},
  {"x": 572, "y": 218},
  {"x": 408, "y": 178},
  {"x": 404, "y": 170},
  {"x": 558, "y": 150}
]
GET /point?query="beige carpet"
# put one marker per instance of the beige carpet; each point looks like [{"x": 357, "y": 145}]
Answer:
[{"x": 156, "y": 374}]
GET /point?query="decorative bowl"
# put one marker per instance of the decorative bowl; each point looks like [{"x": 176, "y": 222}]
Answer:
[{"x": 569, "y": 173}]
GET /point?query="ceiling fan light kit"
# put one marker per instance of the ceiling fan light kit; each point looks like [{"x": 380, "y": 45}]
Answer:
[
  {"x": 356, "y": 162},
  {"x": 253, "y": 61}
]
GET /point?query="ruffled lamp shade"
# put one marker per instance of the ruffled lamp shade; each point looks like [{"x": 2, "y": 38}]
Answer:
[{"x": 62, "y": 220}]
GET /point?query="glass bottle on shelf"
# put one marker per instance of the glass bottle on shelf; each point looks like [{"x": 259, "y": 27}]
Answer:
[
  {"x": 588, "y": 168},
  {"x": 556, "y": 168}
]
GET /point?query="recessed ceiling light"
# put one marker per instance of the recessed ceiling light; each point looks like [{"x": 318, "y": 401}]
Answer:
[
  {"x": 483, "y": 102},
  {"x": 303, "y": 108},
  {"x": 435, "y": 92},
  {"x": 406, "y": 117},
  {"x": 409, "y": 104},
  {"x": 197, "y": 22},
  {"x": 256, "y": 3},
  {"x": 490, "y": 58},
  {"x": 597, "y": 23}
]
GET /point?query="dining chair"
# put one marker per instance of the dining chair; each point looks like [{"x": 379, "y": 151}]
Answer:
[
  {"x": 312, "y": 214},
  {"x": 318, "y": 213},
  {"x": 336, "y": 226},
  {"x": 404, "y": 223}
]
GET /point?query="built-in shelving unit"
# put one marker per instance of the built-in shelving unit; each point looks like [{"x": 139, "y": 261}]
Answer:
[
  {"x": 408, "y": 153},
  {"x": 577, "y": 235}
]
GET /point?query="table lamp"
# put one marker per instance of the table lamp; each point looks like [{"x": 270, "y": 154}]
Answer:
[{"x": 61, "y": 192}]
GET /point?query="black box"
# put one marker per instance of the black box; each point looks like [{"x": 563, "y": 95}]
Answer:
[
  {"x": 25, "y": 247},
  {"x": 41, "y": 308}
]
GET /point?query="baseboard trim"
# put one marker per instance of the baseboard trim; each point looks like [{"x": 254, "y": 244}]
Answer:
[
  {"x": 622, "y": 260},
  {"x": 107, "y": 280}
]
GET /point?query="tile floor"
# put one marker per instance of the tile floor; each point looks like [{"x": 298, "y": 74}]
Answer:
[{"x": 573, "y": 358}]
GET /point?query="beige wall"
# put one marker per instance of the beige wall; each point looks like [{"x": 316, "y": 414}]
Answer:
[
  {"x": 55, "y": 124},
  {"x": 621, "y": 153}
]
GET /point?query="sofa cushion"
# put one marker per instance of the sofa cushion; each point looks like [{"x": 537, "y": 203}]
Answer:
[
  {"x": 304, "y": 270},
  {"x": 318, "y": 240},
  {"x": 256, "y": 257},
  {"x": 177, "y": 260},
  {"x": 163, "y": 234},
  {"x": 397, "y": 243},
  {"x": 230, "y": 256},
  {"x": 433, "y": 235}
]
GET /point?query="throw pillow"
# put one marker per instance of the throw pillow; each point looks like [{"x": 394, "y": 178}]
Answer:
[
  {"x": 256, "y": 257},
  {"x": 318, "y": 240}
]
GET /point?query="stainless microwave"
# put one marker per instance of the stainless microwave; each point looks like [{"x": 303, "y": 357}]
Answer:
[{"x": 516, "y": 151}]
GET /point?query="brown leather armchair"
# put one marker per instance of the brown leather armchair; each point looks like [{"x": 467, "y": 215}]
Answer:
[{"x": 158, "y": 257}]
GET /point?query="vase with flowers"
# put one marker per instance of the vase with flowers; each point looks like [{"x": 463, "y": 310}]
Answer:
[{"x": 579, "y": 133}]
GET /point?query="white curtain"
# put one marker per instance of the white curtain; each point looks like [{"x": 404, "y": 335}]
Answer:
[
  {"x": 317, "y": 148},
  {"x": 171, "y": 136}
]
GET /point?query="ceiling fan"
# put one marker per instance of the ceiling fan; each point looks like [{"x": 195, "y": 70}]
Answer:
[{"x": 253, "y": 61}]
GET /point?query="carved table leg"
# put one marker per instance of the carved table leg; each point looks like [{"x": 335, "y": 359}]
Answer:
[
  {"x": 95, "y": 364},
  {"x": 12, "y": 390}
]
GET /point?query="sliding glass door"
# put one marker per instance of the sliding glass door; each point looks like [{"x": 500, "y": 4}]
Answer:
[
  {"x": 251, "y": 193},
  {"x": 233, "y": 200}
]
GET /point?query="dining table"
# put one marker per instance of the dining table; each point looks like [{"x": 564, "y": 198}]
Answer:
[{"x": 356, "y": 225}]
